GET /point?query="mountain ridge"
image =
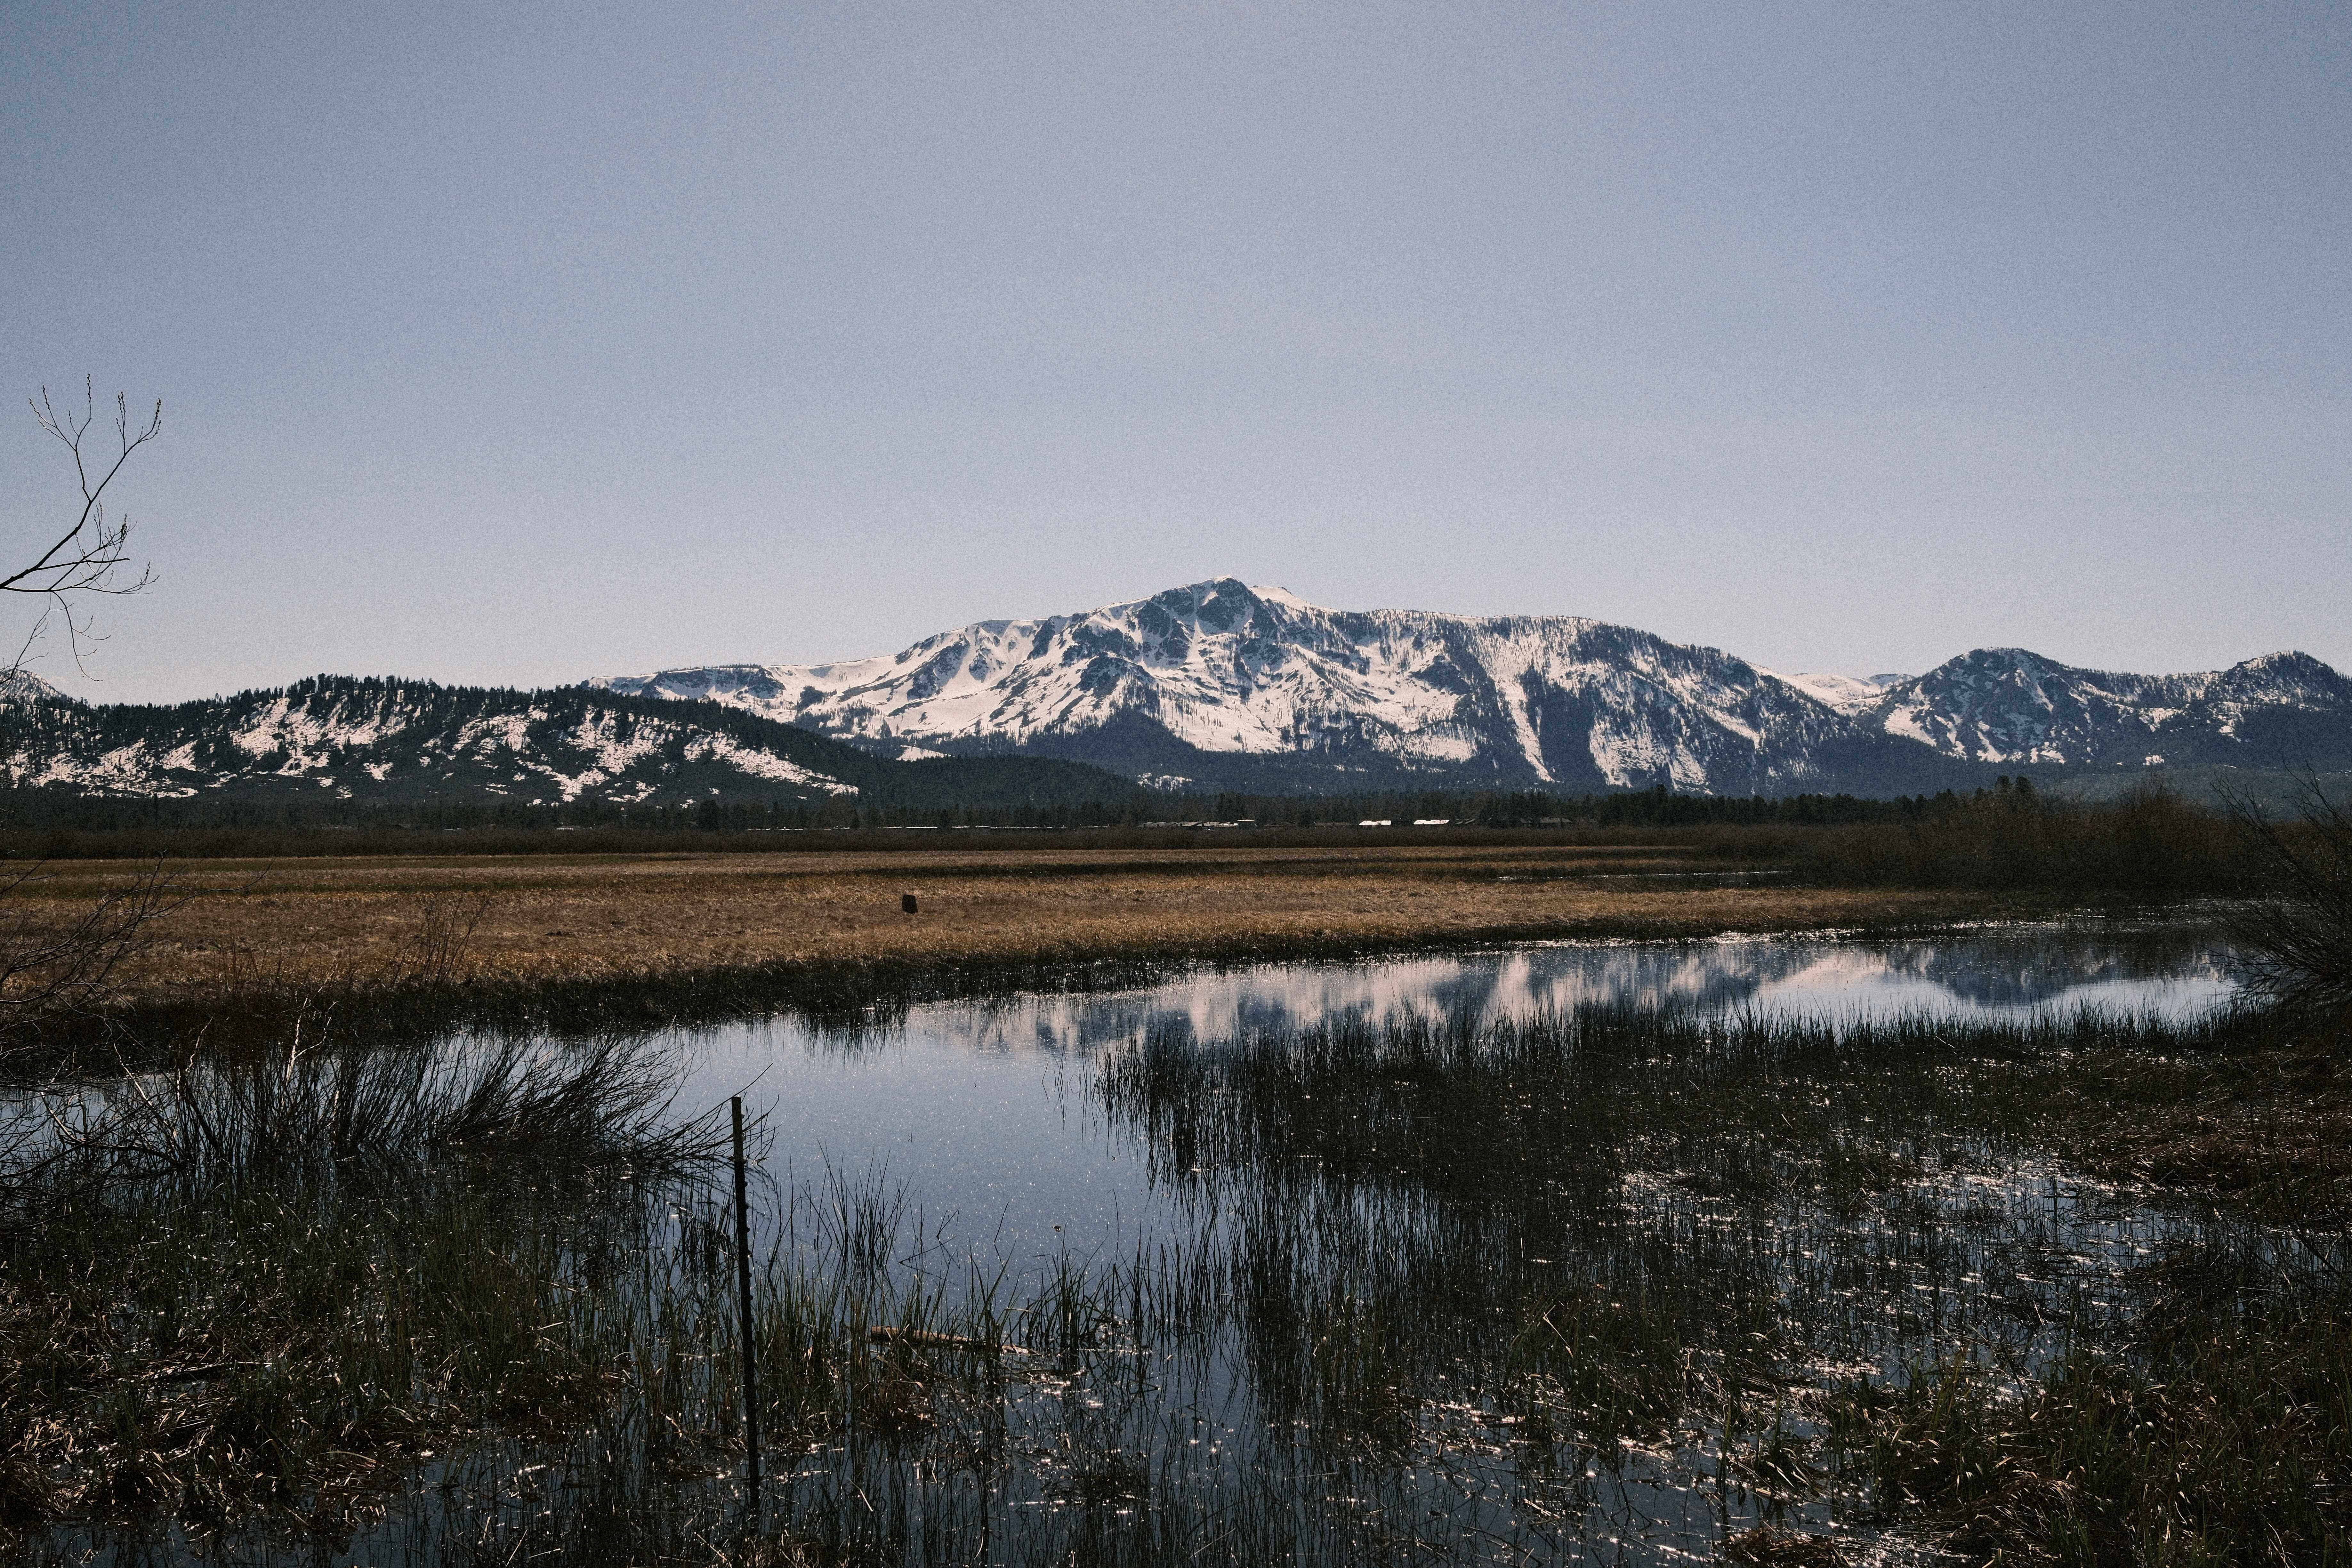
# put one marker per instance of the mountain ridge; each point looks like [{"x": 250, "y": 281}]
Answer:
[
  {"x": 1213, "y": 686},
  {"x": 385, "y": 740},
  {"x": 1219, "y": 684}
]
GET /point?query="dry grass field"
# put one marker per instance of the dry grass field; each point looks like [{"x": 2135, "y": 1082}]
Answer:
[{"x": 272, "y": 926}]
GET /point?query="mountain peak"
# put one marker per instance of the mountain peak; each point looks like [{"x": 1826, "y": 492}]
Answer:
[
  {"x": 1220, "y": 683},
  {"x": 2013, "y": 705},
  {"x": 2287, "y": 662},
  {"x": 22, "y": 688},
  {"x": 1221, "y": 680}
]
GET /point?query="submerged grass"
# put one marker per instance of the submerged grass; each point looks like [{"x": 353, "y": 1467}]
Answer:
[
  {"x": 2205, "y": 1426},
  {"x": 2227, "y": 1441},
  {"x": 2198, "y": 1415}
]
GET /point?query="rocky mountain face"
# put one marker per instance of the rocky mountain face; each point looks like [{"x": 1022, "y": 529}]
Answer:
[
  {"x": 1220, "y": 685},
  {"x": 1217, "y": 686},
  {"x": 386, "y": 741},
  {"x": 2007, "y": 705}
]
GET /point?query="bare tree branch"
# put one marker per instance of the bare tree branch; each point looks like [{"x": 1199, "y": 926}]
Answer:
[
  {"x": 88, "y": 558},
  {"x": 54, "y": 963},
  {"x": 51, "y": 968}
]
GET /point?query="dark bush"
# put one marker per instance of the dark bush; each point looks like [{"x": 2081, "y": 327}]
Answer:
[
  {"x": 2297, "y": 940},
  {"x": 2149, "y": 844}
]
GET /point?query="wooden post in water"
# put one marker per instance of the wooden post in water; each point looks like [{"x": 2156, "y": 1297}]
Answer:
[{"x": 743, "y": 1300}]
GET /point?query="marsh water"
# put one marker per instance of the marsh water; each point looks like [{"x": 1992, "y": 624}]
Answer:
[
  {"x": 988, "y": 1114},
  {"x": 1537, "y": 1332},
  {"x": 1540, "y": 1253}
]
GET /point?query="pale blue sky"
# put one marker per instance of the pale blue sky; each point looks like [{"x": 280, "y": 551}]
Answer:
[{"x": 518, "y": 344}]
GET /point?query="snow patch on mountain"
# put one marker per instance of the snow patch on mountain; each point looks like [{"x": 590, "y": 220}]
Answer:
[
  {"x": 424, "y": 741},
  {"x": 1849, "y": 694},
  {"x": 22, "y": 687},
  {"x": 308, "y": 732},
  {"x": 761, "y": 764}
]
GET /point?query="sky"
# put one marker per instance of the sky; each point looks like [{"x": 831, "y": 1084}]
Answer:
[{"x": 517, "y": 344}]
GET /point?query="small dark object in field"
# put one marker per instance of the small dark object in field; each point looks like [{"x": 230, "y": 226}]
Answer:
[
  {"x": 1781, "y": 1549},
  {"x": 907, "y": 902}
]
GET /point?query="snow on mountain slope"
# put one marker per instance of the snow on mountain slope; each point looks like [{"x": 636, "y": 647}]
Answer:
[
  {"x": 1220, "y": 681},
  {"x": 1849, "y": 694},
  {"x": 1222, "y": 685},
  {"x": 2011, "y": 706},
  {"x": 342, "y": 739},
  {"x": 22, "y": 686}
]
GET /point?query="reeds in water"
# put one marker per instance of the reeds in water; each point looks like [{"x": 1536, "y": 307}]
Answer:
[{"x": 1434, "y": 1287}]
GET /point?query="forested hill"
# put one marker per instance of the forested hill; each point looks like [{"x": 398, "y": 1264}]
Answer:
[{"x": 366, "y": 742}]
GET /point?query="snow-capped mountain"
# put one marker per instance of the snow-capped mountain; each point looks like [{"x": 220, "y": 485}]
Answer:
[
  {"x": 2007, "y": 705},
  {"x": 386, "y": 741},
  {"x": 1216, "y": 686},
  {"x": 22, "y": 687},
  {"x": 1226, "y": 686},
  {"x": 1222, "y": 685}
]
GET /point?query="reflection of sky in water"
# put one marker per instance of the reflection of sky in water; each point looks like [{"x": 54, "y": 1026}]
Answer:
[
  {"x": 985, "y": 1111},
  {"x": 1993, "y": 975}
]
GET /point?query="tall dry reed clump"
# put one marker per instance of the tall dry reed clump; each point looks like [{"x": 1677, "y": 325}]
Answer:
[
  {"x": 446, "y": 1305},
  {"x": 265, "y": 1284},
  {"x": 2297, "y": 940}
]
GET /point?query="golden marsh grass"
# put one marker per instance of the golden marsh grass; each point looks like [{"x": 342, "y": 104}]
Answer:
[{"x": 288, "y": 924}]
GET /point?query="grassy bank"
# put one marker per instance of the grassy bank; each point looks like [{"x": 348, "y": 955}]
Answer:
[
  {"x": 583, "y": 939},
  {"x": 691, "y": 921}
]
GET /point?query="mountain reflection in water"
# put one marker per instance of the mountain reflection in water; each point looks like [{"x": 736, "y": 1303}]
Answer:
[
  {"x": 984, "y": 1110},
  {"x": 1995, "y": 974}
]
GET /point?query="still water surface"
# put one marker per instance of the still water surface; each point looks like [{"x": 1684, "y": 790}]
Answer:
[{"x": 985, "y": 1111}]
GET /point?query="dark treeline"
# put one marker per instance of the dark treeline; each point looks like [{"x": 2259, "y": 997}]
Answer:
[
  {"x": 55, "y": 810},
  {"x": 2152, "y": 843},
  {"x": 36, "y": 809},
  {"x": 1658, "y": 807}
]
